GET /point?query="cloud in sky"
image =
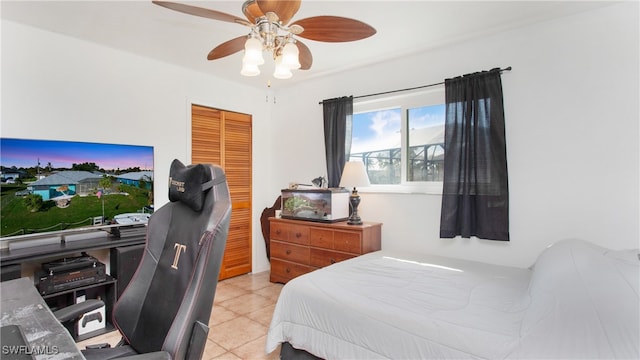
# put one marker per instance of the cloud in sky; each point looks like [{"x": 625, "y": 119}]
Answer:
[{"x": 380, "y": 130}]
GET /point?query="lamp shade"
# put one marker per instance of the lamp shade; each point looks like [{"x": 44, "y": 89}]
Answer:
[{"x": 354, "y": 175}]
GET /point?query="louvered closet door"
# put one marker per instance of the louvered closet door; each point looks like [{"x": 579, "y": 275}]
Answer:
[{"x": 223, "y": 137}]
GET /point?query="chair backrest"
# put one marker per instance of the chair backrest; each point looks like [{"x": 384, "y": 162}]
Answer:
[{"x": 174, "y": 286}]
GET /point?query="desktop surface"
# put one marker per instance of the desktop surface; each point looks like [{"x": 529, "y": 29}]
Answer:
[{"x": 46, "y": 338}]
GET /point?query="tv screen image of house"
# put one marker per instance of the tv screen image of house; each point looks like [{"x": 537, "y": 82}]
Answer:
[{"x": 51, "y": 185}]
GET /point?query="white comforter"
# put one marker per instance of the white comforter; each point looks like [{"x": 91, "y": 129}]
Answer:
[{"x": 383, "y": 305}]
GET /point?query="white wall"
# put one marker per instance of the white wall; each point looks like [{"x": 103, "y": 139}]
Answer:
[
  {"x": 572, "y": 110},
  {"x": 56, "y": 87},
  {"x": 571, "y": 106}
]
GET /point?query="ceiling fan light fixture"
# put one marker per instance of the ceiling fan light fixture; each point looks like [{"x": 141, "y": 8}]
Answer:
[
  {"x": 249, "y": 69},
  {"x": 253, "y": 52},
  {"x": 290, "y": 56},
  {"x": 282, "y": 71},
  {"x": 273, "y": 32}
]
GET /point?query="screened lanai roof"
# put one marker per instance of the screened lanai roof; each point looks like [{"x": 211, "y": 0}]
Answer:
[{"x": 422, "y": 136}]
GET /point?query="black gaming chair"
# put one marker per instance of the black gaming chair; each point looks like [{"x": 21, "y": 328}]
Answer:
[{"x": 164, "y": 311}]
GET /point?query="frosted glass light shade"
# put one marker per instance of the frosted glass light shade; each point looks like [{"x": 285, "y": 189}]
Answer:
[
  {"x": 282, "y": 71},
  {"x": 253, "y": 52},
  {"x": 249, "y": 69},
  {"x": 290, "y": 55}
]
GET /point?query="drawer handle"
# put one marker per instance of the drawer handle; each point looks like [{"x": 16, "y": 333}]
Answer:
[
  {"x": 298, "y": 235},
  {"x": 288, "y": 270},
  {"x": 278, "y": 231},
  {"x": 288, "y": 251},
  {"x": 333, "y": 261}
]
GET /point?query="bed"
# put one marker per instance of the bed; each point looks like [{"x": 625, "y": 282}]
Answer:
[{"x": 579, "y": 300}]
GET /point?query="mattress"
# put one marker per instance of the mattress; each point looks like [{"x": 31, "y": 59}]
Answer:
[
  {"x": 383, "y": 305},
  {"x": 578, "y": 301}
]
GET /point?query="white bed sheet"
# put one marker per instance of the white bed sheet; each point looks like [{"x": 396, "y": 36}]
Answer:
[{"x": 383, "y": 305}]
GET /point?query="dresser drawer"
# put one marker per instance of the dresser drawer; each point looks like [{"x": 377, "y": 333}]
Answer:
[
  {"x": 283, "y": 271},
  {"x": 322, "y": 238},
  {"x": 347, "y": 241},
  {"x": 279, "y": 231},
  {"x": 290, "y": 252},
  {"x": 299, "y": 234},
  {"x": 322, "y": 258},
  {"x": 292, "y": 233}
]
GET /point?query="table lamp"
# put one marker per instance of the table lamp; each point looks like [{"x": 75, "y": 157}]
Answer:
[{"x": 354, "y": 175}]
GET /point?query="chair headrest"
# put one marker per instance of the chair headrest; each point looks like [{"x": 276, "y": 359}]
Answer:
[{"x": 188, "y": 184}]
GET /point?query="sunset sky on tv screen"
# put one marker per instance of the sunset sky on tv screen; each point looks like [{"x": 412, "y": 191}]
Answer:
[{"x": 24, "y": 153}]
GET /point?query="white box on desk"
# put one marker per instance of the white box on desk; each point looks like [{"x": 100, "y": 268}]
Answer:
[{"x": 91, "y": 321}]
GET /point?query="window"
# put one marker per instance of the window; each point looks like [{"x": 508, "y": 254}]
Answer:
[
  {"x": 376, "y": 141},
  {"x": 401, "y": 141}
]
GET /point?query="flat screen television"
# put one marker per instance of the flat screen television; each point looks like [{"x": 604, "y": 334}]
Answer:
[{"x": 51, "y": 185}]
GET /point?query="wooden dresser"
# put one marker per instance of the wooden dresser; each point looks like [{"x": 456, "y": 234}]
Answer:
[{"x": 298, "y": 247}]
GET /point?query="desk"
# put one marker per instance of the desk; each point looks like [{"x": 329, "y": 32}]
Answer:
[
  {"x": 61, "y": 249},
  {"x": 47, "y": 338}
]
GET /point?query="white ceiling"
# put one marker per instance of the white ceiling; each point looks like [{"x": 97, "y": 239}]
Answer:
[{"x": 403, "y": 28}]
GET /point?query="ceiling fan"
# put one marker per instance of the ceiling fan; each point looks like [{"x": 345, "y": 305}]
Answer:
[{"x": 271, "y": 31}]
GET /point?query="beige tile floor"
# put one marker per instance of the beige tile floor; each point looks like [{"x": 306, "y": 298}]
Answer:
[{"x": 239, "y": 320}]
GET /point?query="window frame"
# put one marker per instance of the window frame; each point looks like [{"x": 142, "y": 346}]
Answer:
[{"x": 426, "y": 97}]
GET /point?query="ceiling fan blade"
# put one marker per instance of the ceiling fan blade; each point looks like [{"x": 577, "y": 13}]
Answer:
[
  {"x": 227, "y": 48},
  {"x": 285, "y": 9},
  {"x": 252, "y": 11},
  {"x": 197, "y": 11},
  {"x": 334, "y": 29},
  {"x": 304, "y": 56}
]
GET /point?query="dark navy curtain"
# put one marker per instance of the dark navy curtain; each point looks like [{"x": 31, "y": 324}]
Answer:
[
  {"x": 475, "y": 197},
  {"x": 338, "y": 115}
]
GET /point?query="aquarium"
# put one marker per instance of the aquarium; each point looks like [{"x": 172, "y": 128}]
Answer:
[{"x": 325, "y": 205}]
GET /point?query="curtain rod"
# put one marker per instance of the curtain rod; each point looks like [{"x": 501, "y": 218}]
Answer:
[{"x": 508, "y": 68}]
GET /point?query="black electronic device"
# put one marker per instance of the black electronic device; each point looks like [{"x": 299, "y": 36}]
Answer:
[{"x": 69, "y": 273}]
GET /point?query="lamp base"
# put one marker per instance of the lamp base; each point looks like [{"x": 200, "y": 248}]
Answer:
[{"x": 354, "y": 201}]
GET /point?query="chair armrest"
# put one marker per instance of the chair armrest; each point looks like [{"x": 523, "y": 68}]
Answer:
[
  {"x": 76, "y": 310},
  {"x": 158, "y": 355},
  {"x": 198, "y": 341}
]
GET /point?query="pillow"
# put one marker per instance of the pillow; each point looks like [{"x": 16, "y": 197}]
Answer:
[
  {"x": 584, "y": 303},
  {"x": 185, "y": 184}
]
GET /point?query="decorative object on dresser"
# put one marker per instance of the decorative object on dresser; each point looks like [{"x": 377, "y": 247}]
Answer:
[
  {"x": 264, "y": 222},
  {"x": 354, "y": 175},
  {"x": 299, "y": 247},
  {"x": 324, "y": 205}
]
